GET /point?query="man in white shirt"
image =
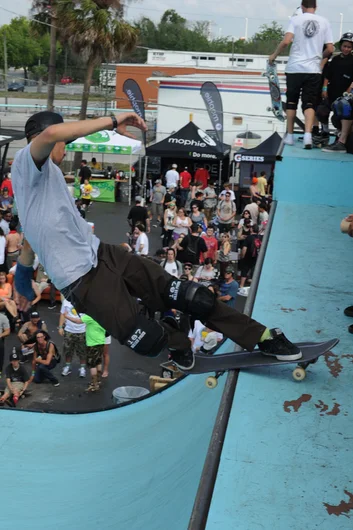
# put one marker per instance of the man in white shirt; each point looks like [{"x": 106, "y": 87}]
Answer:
[
  {"x": 74, "y": 339},
  {"x": 172, "y": 177},
  {"x": 227, "y": 189},
  {"x": 142, "y": 245},
  {"x": 253, "y": 209},
  {"x": 309, "y": 33}
]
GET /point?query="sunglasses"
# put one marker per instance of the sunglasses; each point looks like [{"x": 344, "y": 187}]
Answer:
[
  {"x": 187, "y": 268},
  {"x": 227, "y": 194}
]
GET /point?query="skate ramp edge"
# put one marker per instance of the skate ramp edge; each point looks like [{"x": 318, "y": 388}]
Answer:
[{"x": 131, "y": 468}]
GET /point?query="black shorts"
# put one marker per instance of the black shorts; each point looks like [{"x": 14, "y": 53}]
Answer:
[
  {"x": 306, "y": 86},
  {"x": 87, "y": 202},
  {"x": 247, "y": 267},
  {"x": 224, "y": 228}
]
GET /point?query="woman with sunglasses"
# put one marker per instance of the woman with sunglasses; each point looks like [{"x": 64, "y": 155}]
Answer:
[
  {"x": 182, "y": 223},
  {"x": 187, "y": 272},
  {"x": 169, "y": 217},
  {"x": 224, "y": 253},
  {"x": 198, "y": 217}
]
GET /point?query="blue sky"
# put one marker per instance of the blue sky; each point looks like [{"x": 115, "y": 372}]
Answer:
[{"x": 226, "y": 18}]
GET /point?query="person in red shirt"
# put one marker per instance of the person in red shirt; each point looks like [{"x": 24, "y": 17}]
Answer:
[
  {"x": 202, "y": 175},
  {"x": 212, "y": 245},
  {"x": 6, "y": 183},
  {"x": 185, "y": 179}
]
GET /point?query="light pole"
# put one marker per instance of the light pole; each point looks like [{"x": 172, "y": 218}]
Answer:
[
  {"x": 341, "y": 25},
  {"x": 232, "y": 52},
  {"x": 246, "y": 28}
]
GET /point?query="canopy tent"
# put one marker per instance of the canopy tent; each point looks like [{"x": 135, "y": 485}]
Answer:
[
  {"x": 265, "y": 153},
  {"x": 107, "y": 143}
]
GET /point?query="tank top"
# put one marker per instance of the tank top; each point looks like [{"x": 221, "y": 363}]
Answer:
[
  {"x": 182, "y": 226},
  {"x": 170, "y": 218}
]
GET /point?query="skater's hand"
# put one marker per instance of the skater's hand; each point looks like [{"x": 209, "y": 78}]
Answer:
[
  {"x": 272, "y": 59},
  {"x": 324, "y": 94},
  {"x": 349, "y": 219},
  {"x": 23, "y": 303},
  {"x": 61, "y": 332},
  {"x": 129, "y": 119}
]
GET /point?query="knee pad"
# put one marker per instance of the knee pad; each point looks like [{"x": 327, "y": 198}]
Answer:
[
  {"x": 23, "y": 281},
  {"x": 190, "y": 297},
  {"x": 291, "y": 106},
  {"x": 148, "y": 337}
]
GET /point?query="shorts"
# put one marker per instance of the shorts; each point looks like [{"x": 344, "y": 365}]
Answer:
[
  {"x": 308, "y": 86},
  {"x": 223, "y": 227},
  {"x": 157, "y": 209},
  {"x": 247, "y": 267},
  {"x": 94, "y": 355},
  {"x": 87, "y": 202},
  {"x": 75, "y": 343},
  {"x": 17, "y": 386}
]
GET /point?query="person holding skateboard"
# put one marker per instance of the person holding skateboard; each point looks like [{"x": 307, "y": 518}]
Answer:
[
  {"x": 103, "y": 280},
  {"x": 308, "y": 33}
]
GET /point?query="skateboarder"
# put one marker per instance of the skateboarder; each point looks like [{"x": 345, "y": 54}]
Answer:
[
  {"x": 309, "y": 33},
  {"x": 104, "y": 280}
]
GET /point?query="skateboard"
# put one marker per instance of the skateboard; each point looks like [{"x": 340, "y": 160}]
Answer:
[
  {"x": 11, "y": 401},
  {"x": 275, "y": 92},
  {"x": 246, "y": 360}
]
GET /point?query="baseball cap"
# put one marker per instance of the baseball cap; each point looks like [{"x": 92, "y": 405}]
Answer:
[
  {"x": 158, "y": 181},
  {"x": 34, "y": 314},
  {"x": 229, "y": 270},
  {"x": 14, "y": 357},
  {"x": 174, "y": 166},
  {"x": 138, "y": 198},
  {"x": 5, "y": 189},
  {"x": 40, "y": 121}
]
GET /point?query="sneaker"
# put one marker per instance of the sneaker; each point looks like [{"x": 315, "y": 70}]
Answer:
[
  {"x": 337, "y": 147},
  {"x": 52, "y": 306},
  {"x": 155, "y": 226},
  {"x": 92, "y": 387},
  {"x": 82, "y": 371},
  {"x": 279, "y": 346},
  {"x": 56, "y": 384},
  {"x": 349, "y": 311},
  {"x": 185, "y": 360},
  {"x": 66, "y": 370},
  {"x": 288, "y": 140}
]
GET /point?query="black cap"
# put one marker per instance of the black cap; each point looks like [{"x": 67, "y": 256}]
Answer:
[
  {"x": 40, "y": 121},
  {"x": 34, "y": 314},
  {"x": 229, "y": 270},
  {"x": 5, "y": 189},
  {"x": 14, "y": 357}
]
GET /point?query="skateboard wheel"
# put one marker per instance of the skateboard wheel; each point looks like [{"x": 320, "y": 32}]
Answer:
[
  {"x": 167, "y": 374},
  {"x": 299, "y": 374},
  {"x": 272, "y": 77},
  {"x": 211, "y": 382},
  {"x": 269, "y": 109}
]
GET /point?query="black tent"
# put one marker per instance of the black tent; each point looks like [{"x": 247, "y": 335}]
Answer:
[
  {"x": 265, "y": 153},
  {"x": 190, "y": 142}
]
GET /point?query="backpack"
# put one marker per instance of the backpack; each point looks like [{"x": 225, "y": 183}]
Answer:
[
  {"x": 191, "y": 249},
  {"x": 255, "y": 246}
]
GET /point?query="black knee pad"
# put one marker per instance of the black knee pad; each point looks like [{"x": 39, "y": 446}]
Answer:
[
  {"x": 148, "y": 338},
  {"x": 291, "y": 106},
  {"x": 190, "y": 297}
]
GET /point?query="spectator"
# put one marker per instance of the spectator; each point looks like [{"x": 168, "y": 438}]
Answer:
[
  {"x": 6, "y": 200},
  {"x": 4, "y": 332},
  {"x": 7, "y": 183},
  {"x": 182, "y": 224},
  {"x": 86, "y": 193},
  {"x": 3, "y": 262},
  {"x": 227, "y": 189},
  {"x": 81, "y": 209},
  {"x": 138, "y": 214},
  {"x": 74, "y": 339},
  {"x": 206, "y": 273},
  {"x": 262, "y": 183},
  {"x": 170, "y": 196},
  {"x": 226, "y": 212},
  {"x": 198, "y": 217},
  {"x": 172, "y": 177},
  {"x": 28, "y": 331},
  {"x": 157, "y": 200},
  {"x": 224, "y": 253},
  {"x": 190, "y": 196},
  {"x": 45, "y": 358},
  {"x": 254, "y": 189},
  {"x": 253, "y": 209},
  {"x": 244, "y": 230},
  {"x": 160, "y": 255},
  {"x": 85, "y": 172},
  {"x": 5, "y": 219},
  {"x": 185, "y": 179},
  {"x": 169, "y": 220},
  {"x": 194, "y": 245},
  {"x": 263, "y": 214},
  {"x": 17, "y": 379},
  {"x": 210, "y": 200},
  {"x": 244, "y": 216},
  {"x": 198, "y": 334},
  {"x": 142, "y": 244},
  {"x": 211, "y": 243},
  {"x": 95, "y": 342},
  {"x": 13, "y": 245},
  {"x": 95, "y": 166},
  {"x": 198, "y": 201},
  {"x": 202, "y": 175},
  {"x": 106, "y": 356},
  {"x": 249, "y": 254},
  {"x": 229, "y": 288},
  {"x": 187, "y": 272},
  {"x": 171, "y": 264},
  {"x": 6, "y": 301}
]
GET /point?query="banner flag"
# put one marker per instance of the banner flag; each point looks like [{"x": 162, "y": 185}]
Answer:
[
  {"x": 133, "y": 91},
  {"x": 213, "y": 101}
]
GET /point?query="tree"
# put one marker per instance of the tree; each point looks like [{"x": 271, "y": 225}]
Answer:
[
  {"x": 266, "y": 39},
  {"x": 39, "y": 71}
]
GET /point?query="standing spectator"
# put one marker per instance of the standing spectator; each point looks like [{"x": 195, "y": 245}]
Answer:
[
  {"x": 142, "y": 244},
  {"x": 198, "y": 201},
  {"x": 171, "y": 264},
  {"x": 106, "y": 355},
  {"x": 193, "y": 245},
  {"x": 227, "y": 189},
  {"x": 185, "y": 179},
  {"x": 190, "y": 196},
  {"x": 253, "y": 209},
  {"x": 17, "y": 379},
  {"x": 198, "y": 217},
  {"x": 226, "y": 212},
  {"x": 254, "y": 189},
  {"x": 85, "y": 172},
  {"x": 172, "y": 177},
  {"x": 229, "y": 288},
  {"x": 202, "y": 175},
  {"x": 157, "y": 200},
  {"x": 3, "y": 263},
  {"x": 263, "y": 213},
  {"x": 45, "y": 358},
  {"x": 224, "y": 253},
  {"x": 249, "y": 254},
  {"x": 13, "y": 245},
  {"x": 170, "y": 196},
  {"x": 206, "y": 273},
  {"x": 5, "y": 219},
  {"x": 74, "y": 339},
  {"x": 169, "y": 220},
  {"x": 95, "y": 342},
  {"x": 6, "y": 183},
  {"x": 262, "y": 183},
  {"x": 244, "y": 229},
  {"x": 6, "y": 200},
  {"x": 210, "y": 201},
  {"x": 4, "y": 332},
  {"x": 198, "y": 334},
  {"x": 211, "y": 243},
  {"x": 138, "y": 214},
  {"x": 96, "y": 166},
  {"x": 86, "y": 193},
  {"x": 182, "y": 224}
]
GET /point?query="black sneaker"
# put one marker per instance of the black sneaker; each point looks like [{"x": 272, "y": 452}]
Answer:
[
  {"x": 337, "y": 147},
  {"x": 183, "y": 359},
  {"x": 56, "y": 383},
  {"x": 279, "y": 346},
  {"x": 349, "y": 311},
  {"x": 52, "y": 306}
]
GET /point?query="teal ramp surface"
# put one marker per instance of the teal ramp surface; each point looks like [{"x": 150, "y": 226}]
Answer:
[{"x": 287, "y": 457}]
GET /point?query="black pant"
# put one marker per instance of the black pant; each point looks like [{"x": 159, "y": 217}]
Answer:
[{"x": 108, "y": 294}]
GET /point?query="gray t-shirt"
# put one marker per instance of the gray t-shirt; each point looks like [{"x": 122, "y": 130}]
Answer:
[
  {"x": 4, "y": 323},
  {"x": 158, "y": 194},
  {"x": 210, "y": 198},
  {"x": 226, "y": 209},
  {"x": 64, "y": 242}
]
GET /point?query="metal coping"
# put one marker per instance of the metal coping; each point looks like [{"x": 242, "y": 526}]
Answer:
[{"x": 204, "y": 494}]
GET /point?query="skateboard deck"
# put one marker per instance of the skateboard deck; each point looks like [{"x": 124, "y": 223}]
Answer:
[
  {"x": 246, "y": 360},
  {"x": 275, "y": 92}
]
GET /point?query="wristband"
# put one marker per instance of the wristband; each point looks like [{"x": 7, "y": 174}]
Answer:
[
  {"x": 33, "y": 372},
  {"x": 115, "y": 123},
  {"x": 324, "y": 88}
]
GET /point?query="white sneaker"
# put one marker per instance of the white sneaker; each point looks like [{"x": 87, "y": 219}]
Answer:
[
  {"x": 82, "y": 371},
  {"x": 288, "y": 140},
  {"x": 66, "y": 370}
]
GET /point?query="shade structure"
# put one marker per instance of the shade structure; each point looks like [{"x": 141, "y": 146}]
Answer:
[
  {"x": 105, "y": 142},
  {"x": 266, "y": 152}
]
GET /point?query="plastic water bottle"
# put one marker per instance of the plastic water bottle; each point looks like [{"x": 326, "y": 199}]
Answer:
[{"x": 14, "y": 350}]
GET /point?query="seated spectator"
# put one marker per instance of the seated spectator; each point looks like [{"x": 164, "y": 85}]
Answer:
[
  {"x": 28, "y": 330},
  {"x": 182, "y": 223},
  {"x": 187, "y": 272},
  {"x": 227, "y": 189},
  {"x": 6, "y": 202},
  {"x": 6, "y": 301},
  {"x": 210, "y": 201},
  {"x": 253, "y": 209},
  {"x": 3, "y": 262},
  {"x": 169, "y": 220},
  {"x": 211, "y": 243},
  {"x": 228, "y": 289},
  {"x": 207, "y": 273},
  {"x": 224, "y": 253},
  {"x": 171, "y": 264},
  {"x": 193, "y": 245},
  {"x": 198, "y": 217},
  {"x": 4, "y": 332},
  {"x": 13, "y": 244},
  {"x": 254, "y": 189},
  {"x": 17, "y": 380},
  {"x": 45, "y": 358},
  {"x": 142, "y": 244},
  {"x": 226, "y": 212},
  {"x": 211, "y": 340},
  {"x": 249, "y": 254},
  {"x": 198, "y": 335}
]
